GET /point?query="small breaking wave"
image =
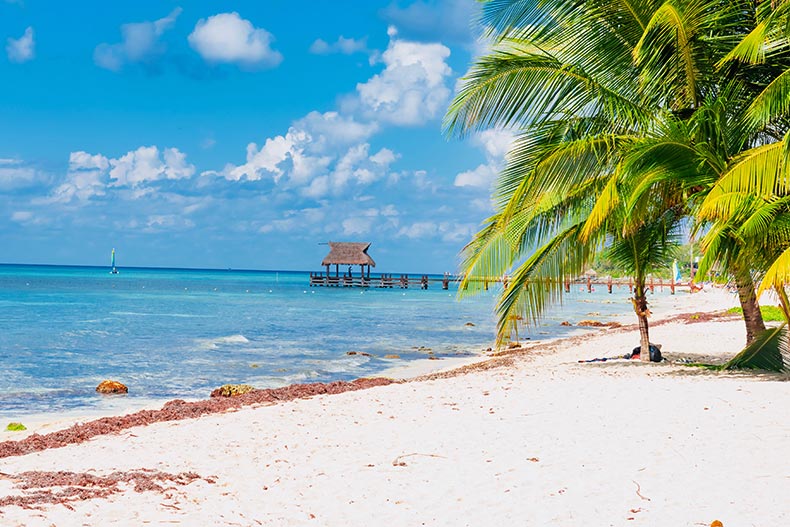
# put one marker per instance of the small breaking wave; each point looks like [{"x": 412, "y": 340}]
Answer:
[
  {"x": 219, "y": 341},
  {"x": 138, "y": 314}
]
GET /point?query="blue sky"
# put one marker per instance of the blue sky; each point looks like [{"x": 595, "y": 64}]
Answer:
[{"x": 237, "y": 134}]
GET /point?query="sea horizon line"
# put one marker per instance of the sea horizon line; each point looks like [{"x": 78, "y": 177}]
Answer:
[{"x": 213, "y": 269}]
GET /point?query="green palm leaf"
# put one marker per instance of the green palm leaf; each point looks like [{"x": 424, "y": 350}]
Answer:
[{"x": 769, "y": 351}]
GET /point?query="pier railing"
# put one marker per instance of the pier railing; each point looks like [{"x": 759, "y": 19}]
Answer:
[{"x": 386, "y": 281}]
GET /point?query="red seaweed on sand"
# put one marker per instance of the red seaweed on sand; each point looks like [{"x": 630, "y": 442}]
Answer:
[
  {"x": 177, "y": 410},
  {"x": 62, "y": 487}
]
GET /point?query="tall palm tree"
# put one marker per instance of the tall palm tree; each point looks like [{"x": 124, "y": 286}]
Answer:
[
  {"x": 687, "y": 158},
  {"x": 750, "y": 197},
  {"x": 579, "y": 113},
  {"x": 600, "y": 90}
]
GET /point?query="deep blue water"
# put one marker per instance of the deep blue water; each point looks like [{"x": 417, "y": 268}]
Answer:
[{"x": 170, "y": 333}]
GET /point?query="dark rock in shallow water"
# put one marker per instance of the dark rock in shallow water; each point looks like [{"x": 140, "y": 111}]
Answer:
[
  {"x": 232, "y": 390},
  {"x": 112, "y": 387}
]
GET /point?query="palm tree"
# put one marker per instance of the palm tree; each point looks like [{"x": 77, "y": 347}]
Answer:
[
  {"x": 579, "y": 115},
  {"x": 687, "y": 158},
  {"x": 750, "y": 198},
  {"x": 602, "y": 92}
]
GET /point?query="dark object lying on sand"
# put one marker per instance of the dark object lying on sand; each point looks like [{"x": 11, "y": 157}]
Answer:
[{"x": 655, "y": 353}]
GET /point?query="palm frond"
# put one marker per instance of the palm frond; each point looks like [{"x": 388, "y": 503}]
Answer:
[
  {"x": 762, "y": 170},
  {"x": 769, "y": 351},
  {"x": 773, "y": 102},
  {"x": 668, "y": 29},
  {"x": 516, "y": 88},
  {"x": 778, "y": 274},
  {"x": 538, "y": 281},
  {"x": 751, "y": 49}
]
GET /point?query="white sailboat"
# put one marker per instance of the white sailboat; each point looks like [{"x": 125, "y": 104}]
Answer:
[{"x": 112, "y": 262}]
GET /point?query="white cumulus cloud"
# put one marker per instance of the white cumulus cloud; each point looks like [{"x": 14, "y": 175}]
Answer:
[
  {"x": 145, "y": 165},
  {"x": 355, "y": 167},
  {"x": 480, "y": 177},
  {"x": 267, "y": 159},
  {"x": 305, "y": 155},
  {"x": 140, "y": 43},
  {"x": 495, "y": 144},
  {"x": 412, "y": 89},
  {"x": 92, "y": 175},
  {"x": 21, "y": 49},
  {"x": 228, "y": 38},
  {"x": 86, "y": 177}
]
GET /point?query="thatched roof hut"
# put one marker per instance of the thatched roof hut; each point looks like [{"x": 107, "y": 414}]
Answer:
[{"x": 348, "y": 253}]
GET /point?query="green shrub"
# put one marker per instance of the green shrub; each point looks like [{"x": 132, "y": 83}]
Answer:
[
  {"x": 770, "y": 313},
  {"x": 15, "y": 427}
]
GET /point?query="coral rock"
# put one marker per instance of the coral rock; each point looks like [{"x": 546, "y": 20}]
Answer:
[
  {"x": 565, "y": 323},
  {"x": 392, "y": 356},
  {"x": 591, "y": 324},
  {"x": 232, "y": 390},
  {"x": 112, "y": 387}
]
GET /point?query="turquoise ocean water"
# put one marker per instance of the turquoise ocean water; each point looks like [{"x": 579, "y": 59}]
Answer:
[{"x": 171, "y": 333}]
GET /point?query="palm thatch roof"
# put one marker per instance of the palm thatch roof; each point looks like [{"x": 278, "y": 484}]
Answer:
[{"x": 348, "y": 253}]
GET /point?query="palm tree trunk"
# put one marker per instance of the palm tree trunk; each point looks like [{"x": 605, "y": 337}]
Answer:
[
  {"x": 642, "y": 312},
  {"x": 752, "y": 316}
]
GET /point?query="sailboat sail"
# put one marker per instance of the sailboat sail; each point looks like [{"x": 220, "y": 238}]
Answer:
[
  {"x": 112, "y": 262},
  {"x": 675, "y": 271}
]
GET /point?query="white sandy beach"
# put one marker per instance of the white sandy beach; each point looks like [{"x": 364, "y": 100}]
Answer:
[{"x": 533, "y": 439}]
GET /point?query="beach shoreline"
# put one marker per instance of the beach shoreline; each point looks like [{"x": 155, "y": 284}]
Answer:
[
  {"x": 528, "y": 436},
  {"x": 710, "y": 300}
]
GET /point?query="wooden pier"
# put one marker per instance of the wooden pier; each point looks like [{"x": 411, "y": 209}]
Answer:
[
  {"x": 353, "y": 254},
  {"x": 382, "y": 281}
]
